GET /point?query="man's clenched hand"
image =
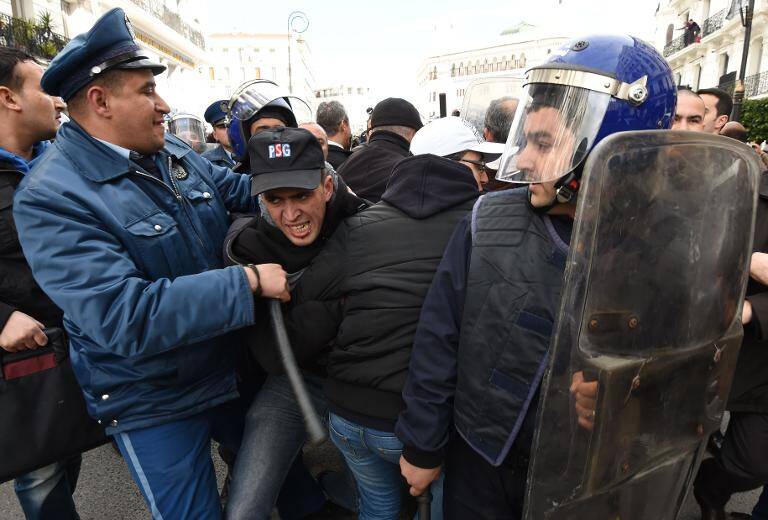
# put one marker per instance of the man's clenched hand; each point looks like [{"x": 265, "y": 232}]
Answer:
[{"x": 22, "y": 332}]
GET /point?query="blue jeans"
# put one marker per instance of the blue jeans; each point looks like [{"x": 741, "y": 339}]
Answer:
[
  {"x": 374, "y": 458},
  {"x": 46, "y": 493},
  {"x": 171, "y": 463},
  {"x": 273, "y": 436}
]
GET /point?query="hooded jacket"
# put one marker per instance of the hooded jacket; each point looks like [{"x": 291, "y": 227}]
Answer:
[
  {"x": 379, "y": 266},
  {"x": 368, "y": 169}
]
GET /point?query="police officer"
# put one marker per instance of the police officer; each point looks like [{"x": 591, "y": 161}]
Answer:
[
  {"x": 259, "y": 105},
  {"x": 190, "y": 129},
  {"x": 123, "y": 227},
  {"x": 217, "y": 118},
  {"x": 484, "y": 330}
]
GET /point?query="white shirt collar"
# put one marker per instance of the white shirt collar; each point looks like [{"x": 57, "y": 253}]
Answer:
[
  {"x": 122, "y": 152},
  {"x": 334, "y": 143}
]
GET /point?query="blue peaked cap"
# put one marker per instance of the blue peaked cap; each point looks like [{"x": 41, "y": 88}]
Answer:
[
  {"x": 108, "y": 45},
  {"x": 215, "y": 113}
]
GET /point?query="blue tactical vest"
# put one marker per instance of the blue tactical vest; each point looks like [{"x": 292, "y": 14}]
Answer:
[{"x": 513, "y": 294}]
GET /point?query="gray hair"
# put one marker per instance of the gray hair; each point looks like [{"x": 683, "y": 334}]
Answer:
[
  {"x": 498, "y": 117},
  {"x": 330, "y": 115}
]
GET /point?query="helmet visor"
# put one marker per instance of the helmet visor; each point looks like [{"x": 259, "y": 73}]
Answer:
[
  {"x": 253, "y": 96},
  {"x": 189, "y": 129},
  {"x": 553, "y": 130}
]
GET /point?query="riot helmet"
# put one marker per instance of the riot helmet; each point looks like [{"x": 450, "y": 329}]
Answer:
[
  {"x": 261, "y": 99},
  {"x": 588, "y": 89},
  {"x": 190, "y": 129}
]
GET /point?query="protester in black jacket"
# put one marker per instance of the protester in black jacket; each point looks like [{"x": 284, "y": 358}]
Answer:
[
  {"x": 379, "y": 265},
  {"x": 393, "y": 123},
  {"x": 301, "y": 206}
]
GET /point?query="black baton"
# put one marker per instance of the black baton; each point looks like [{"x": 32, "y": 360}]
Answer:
[
  {"x": 314, "y": 426},
  {"x": 424, "y": 502}
]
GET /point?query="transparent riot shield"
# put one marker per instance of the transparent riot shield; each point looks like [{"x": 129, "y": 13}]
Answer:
[
  {"x": 190, "y": 129},
  {"x": 650, "y": 313},
  {"x": 481, "y": 92}
]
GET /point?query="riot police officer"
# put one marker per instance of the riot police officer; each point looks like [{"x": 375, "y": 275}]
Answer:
[{"x": 475, "y": 372}]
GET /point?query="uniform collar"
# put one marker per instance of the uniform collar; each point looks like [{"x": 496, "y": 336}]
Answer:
[{"x": 100, "y": 161}]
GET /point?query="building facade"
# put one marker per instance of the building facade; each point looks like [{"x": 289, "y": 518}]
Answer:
[
  {"x": 515, "y": 51},
  {"x": 169, "y": 30},
  {"x": 237, "y": 57},
  {"x": 711, "y": 56}
]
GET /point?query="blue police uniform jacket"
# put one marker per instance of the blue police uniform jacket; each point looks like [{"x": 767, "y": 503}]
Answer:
[
  {"x": 483, "y": 337},
  {"x": 135, "y": 264},
  {"x": 219, "y": 157}
]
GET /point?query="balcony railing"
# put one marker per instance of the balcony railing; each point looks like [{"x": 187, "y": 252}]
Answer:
[
  {"x": 713, "y": 23},
  {"x": 679, "y": 43},
  {"x": 172, "y": 19},
  {"x": 754, "y": 85},
  {"x": 36, "y": 39}
]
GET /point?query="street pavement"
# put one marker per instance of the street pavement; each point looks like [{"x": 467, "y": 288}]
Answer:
[{"x": 106, "y": 492}]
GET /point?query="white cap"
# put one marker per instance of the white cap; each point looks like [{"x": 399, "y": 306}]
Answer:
[{"x": 450, "y": 135}]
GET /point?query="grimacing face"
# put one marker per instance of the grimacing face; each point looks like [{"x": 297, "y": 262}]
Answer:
[
  {"x": 299, "y": 213},
  {"x": 549, "y": 147}
]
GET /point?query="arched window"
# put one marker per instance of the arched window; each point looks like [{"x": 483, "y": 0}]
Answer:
[
  {"x": 503, "y": 63},
  {"x": 512, "y": 62},
  {"x": 670, "y": 32},
  {"x": 521, "y": 63},
  {"x": 453, "y": 70},
  {"x": 461, "y": 68}
]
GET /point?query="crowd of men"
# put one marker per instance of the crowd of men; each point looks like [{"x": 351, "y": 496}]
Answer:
[{"x": 397, "y": 261}]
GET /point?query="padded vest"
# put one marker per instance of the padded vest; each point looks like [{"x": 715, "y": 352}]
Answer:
[{"x": 513, "y": 295}]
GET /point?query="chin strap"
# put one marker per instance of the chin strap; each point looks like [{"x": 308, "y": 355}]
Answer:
[{"x": 567, "y": 188}]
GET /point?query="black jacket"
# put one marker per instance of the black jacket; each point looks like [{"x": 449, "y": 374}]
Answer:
[
  {"x": 337, "y": 155},
  {"x": 18, "y": 289},
  {"x": 749, "y": 392},
  {"x": 379, "y": 265},
  {"x": 254, "y": 240},
  {"x": 367, "y": 170}
]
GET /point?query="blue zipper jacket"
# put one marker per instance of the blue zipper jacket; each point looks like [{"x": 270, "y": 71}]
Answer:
[
  {"x": 135, "y": 264},
  {"x": 219, "y": 157}
]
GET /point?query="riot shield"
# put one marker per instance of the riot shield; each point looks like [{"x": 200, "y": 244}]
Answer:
[
  {"x": 481, "y": 92},
  {"x": 650, "y": 312}
]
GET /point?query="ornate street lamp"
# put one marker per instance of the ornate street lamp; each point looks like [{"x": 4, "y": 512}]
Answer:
[{"x": 297, "y": 23}]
